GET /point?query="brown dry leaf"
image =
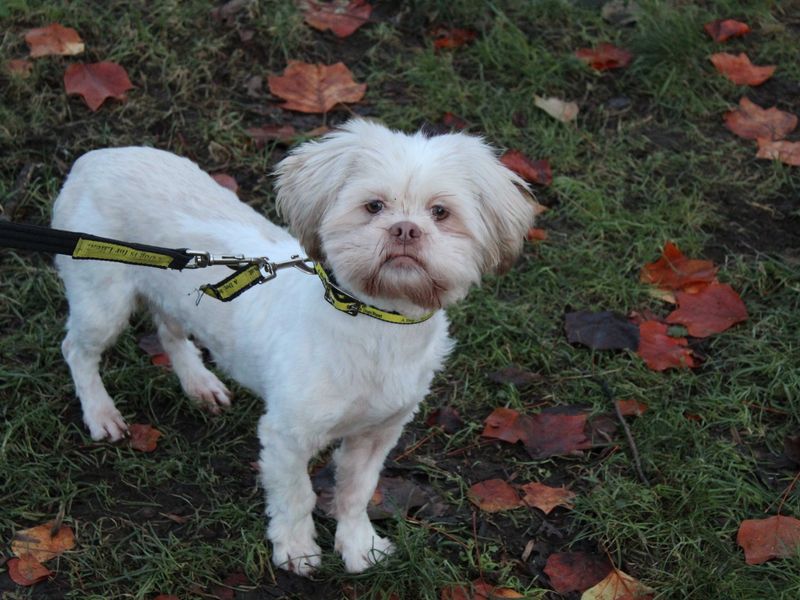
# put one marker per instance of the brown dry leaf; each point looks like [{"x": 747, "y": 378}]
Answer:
[
  {"x": 740, "y": 70},
  {"x": 631, "y": 408},
  {"x": 342, "y": 17},
  {"x": 618, "y": 586},
  {"x": 504, "y": 424},
  {"x": 315, "y": 88},
  {"x": 494, "y": 495},
  {"x": 41, "y": 543},
  {"x": 605, "y": 56},
  {"x": 536, "y": 234},
  {"x": 96, "y": 82},
  {"x": 546, "y": 498},
  {"x": 557, "y": 108},
  {"x": 283, "y": 134},
  {"x": 144, "y": 438},
  {"x": 450, "y": 38},
  {"x": 712, "y": 310},
  {"x": 724, "y": 29},
  {"x": 27, "y": 571},
  {"x": 786, "y": 152},
  {"x": 447, "y": 418},
  {"x": 575, "y": 571},
  {"x": 54, "y": 39},
  {"x": 765, "y": 539},
  {"x": 19, "y": 67},
  {"x": 751, "y": 122},
  {"x": 535, "y": 171}
]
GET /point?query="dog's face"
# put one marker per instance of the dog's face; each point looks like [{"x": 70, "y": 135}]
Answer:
[{"x": 401, "y": 218}]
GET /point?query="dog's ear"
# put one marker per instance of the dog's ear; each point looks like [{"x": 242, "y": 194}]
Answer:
[
  {"x": 308, "y": 181},
  {"x": 507, "y": 209}
]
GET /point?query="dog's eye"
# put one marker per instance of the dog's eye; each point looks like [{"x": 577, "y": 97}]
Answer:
[
  {"x": 439, "y": 212},
  {"x": 374, "y": 206}
]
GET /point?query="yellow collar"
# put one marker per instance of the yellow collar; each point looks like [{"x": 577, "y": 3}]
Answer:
[{"x": 344, "y": 302}]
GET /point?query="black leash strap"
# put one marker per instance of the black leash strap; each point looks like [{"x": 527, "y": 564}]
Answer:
[{"x": 83, "y": 246}]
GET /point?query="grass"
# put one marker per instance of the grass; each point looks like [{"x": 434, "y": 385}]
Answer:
[{"x": 662, "y": 167}]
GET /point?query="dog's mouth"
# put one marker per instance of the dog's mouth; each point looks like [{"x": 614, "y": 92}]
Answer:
[{"x": 403, "y": 261}]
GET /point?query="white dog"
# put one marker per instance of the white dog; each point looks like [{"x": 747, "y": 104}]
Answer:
[{"x": 404, "y": 223}]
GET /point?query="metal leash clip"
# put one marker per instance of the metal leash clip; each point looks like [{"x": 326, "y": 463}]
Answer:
[{"x": 202, "y": 259}]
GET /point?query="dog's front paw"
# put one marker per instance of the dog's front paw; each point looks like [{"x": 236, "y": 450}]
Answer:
[
  {"x": 105, "y": 423},
  {"x": 361, "y": 547},
  {"x": 209, "y": 392},
  {"x": 297, "y": 557}
]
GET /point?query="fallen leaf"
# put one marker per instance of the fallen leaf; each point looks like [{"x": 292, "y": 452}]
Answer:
[
  {"x": 285, "y": 134},
  {"x": 724, "y": 29},
  {"x": 41, "y": 543},
  {"x": 535, "y": 171},
  {"x": 143, "y": 438},
  {"x": 226, "y": 181},
  {"x": 545, "y": 497},
  {"x": 552, "y": 432},
  {"x": 315, "y": 88},
  {"x": 453, "y": 121},
  {"x": 54, "y": 39},
  {"x": 604, "y": 56},
  {"x": 786, "y": 152},
  {"x": 450, "y": 38},
  {"x": 673, "y": 271},
  {"x": 558, "y": 109},
  {"x": 447, "y": 418},
  {"x": 19, "y": 67},
  {"x": 631, "y": 408},
  {"x": 505, "y": 424},
  {"x": 604, "y": 330},
  {"x": 227, "y": 589},
  {"x": 494, "y": 495},
  {"x": 751, "y": 122},
  {"x": 712, "y": 310},
  {"x": 515, "y": 376},
  {"x": 575, "y": 571},
  {"x": 487, "y": 591},
  {"x": 764, "y": 539},
  {"x": 536, "y": 234},
  {"x": 618, "y": 586},
  {"x": 27, "y": 571},
  {"x": 661, "y": 351},
  {"x": 740, "y": 70},
  {"x": 341, "y": 17},
  {"x": 96, "y": 82}
]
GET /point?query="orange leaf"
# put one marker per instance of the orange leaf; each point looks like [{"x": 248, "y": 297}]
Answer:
[
  {"x": 96, "y": 82},
  {"x": 143, "y": 438},
  {"x": 575, "y": 571},
  {"x": 554, "y": 433},
  {"x": 673, "y": 271},
  {"x": 661, "y": 351},
  {"x": 604, "y": 56},
  {"x": 452, "y": 38},
  {"x": 546, "y": 498},
  {"x": 54, "y": 39},
  {"x": 765, "y": 539},
  {"x": 19, "y": 67},
  {"x": 226, "y": 181},
  {"x": 535, "y": 171},
  {"x": 42, "y": 543},
  {"x": 536, "y": 234},
  {"x": 724, "y": 29},
  {"x": 786, "y": 152},
  {"x": 751, "y": 122},
  {"x": 453, "y": 121},
  {"x": 342, "y": 17},
  {"x": 494, "y": 495},
  {"x": 740, "y": 70},
  {"x": 504, "y": 424},
  {"x": 618, "y": 586},
  {"x": 315, "y": 88},
  {"x": 631, "y": 408},
  {"x": 712, "y": 310},
  {"x": 27, "y": 571}
]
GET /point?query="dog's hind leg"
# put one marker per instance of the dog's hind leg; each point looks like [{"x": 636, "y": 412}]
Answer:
[
  {"x": 100, "y": 303},
  {"x": 200, "y": 384}
]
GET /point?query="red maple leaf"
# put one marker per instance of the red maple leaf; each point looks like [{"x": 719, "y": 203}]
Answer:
[
  {"x": 724, "y": 29},
  {"x": 660, "y": 351},
  {"x": 27, "y": 571},
  {"x": 673, "y": 271},
  {"x": 449, "y": 39},
  {"x": 740, "y": 70},
  {"x": 786, "y": 152},
  {"x": 54, "y": 39},
  {"x": 535, "y": 171},
  {"x": 604, "y": 56},
  {"x": 342, "y": 17},
  {"x": 751, "y": 122},
  {"x": 96, "y": 82},
  {"x": 315, "y": 88},
  {"x": 711, "y": 310},
  {"x": 143, "y": 438},
  {"x": 765, "y": 539},
  {"x": 494, "y": 495}
]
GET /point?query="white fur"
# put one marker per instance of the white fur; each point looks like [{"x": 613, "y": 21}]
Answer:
[{"x": 325, "y": 375}]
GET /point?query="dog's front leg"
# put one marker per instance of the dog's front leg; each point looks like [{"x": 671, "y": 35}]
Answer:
[
  {"x": 359, "y": 460},
  {"x": 290, "y": 498}
]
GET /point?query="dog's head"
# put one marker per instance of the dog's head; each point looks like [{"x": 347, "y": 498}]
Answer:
[{"x": 404, "y": 218}]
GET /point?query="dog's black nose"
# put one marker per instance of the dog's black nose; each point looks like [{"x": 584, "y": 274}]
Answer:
[{"x": 405, "y": 231}]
